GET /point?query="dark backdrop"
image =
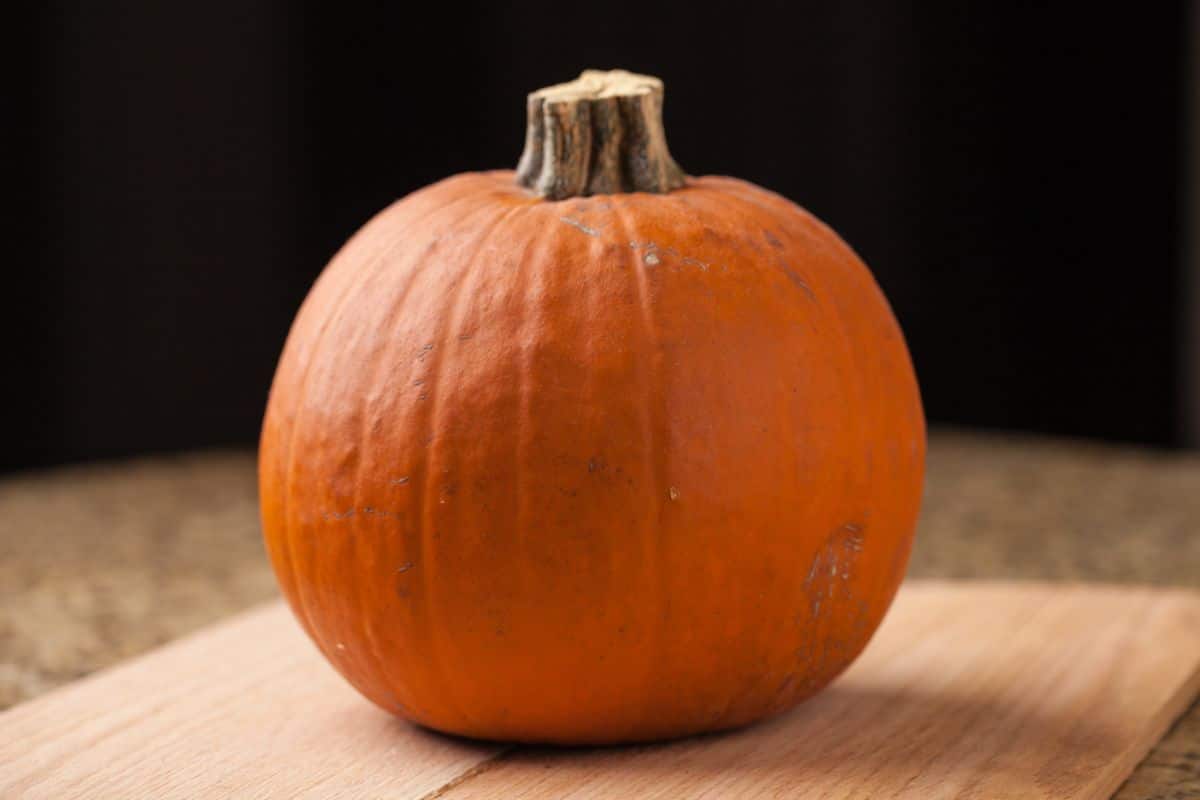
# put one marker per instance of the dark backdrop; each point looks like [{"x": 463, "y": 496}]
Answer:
[{"x": 1012, "y": 175}]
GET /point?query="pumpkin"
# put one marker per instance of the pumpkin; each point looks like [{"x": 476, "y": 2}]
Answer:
[{"x": 592, "y": 452}]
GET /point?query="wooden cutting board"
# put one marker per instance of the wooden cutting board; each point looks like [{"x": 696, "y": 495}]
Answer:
[{"x": 976, "y": 690}]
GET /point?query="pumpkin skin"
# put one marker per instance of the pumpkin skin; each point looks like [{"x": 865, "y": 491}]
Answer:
[{"x": 604, "y": 469}]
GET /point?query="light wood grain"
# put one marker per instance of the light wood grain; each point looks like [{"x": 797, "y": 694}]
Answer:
[
  {"x": 246, "y": 709},
  {"x": 969, "y": 690}
]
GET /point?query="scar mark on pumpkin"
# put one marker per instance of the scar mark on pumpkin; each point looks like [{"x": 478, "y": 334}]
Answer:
[
  {"x": 400, "y": 481},
  {"x": 799, "y": 282},
  {"x": 379, "y": 512},
  {"x": 853, "y": 539},
  {"x": 837, "y": 557},
  {"x": 574, "y": 223},
  {"x": 370, "y": 511},
  {"x": 652, "y": 250},
  {"x": 405, "y": 567}
]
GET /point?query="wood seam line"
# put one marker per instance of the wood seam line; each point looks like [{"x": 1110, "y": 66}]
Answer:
[{"x": 480, "y": 768}]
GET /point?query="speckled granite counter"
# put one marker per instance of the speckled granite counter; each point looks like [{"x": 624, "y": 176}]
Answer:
[{"x": 98, "y": 563}]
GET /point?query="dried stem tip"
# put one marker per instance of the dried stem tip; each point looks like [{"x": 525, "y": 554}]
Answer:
[{"x": 599, "y": 134}]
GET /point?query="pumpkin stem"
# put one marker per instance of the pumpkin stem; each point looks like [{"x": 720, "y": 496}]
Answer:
[{"x": 599, "y": 134}]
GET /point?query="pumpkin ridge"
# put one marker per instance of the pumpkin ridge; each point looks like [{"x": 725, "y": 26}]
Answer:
[
  {"x": 710, "y": 205},
  {"x": 350, "y": 287},
  {"x": 415, "y": 264},
  {"x": 854, "y": 392},
  {"x": 596, "y": 302},
  {"x": 525, "y": 293},
  {"x": 347, "y": 287},
  {"x": 449, "y": 318},
  {"x": 651, "y": 536},
  {"x": 856, "y": 279},
  {"x": 420, "y": 477}
]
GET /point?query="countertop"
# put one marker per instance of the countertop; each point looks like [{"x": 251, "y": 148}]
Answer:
[{"x": 104, "y": 561}]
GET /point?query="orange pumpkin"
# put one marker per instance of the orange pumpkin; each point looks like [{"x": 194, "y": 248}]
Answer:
[{"x": 637, "y": 462}]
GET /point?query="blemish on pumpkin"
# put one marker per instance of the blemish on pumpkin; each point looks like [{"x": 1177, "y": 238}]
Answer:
[
  {"x": 853, "y": 538},
  {"x": 405, "y": 567},
  {"x": 424, "y": 351},
  {"x": 419, "y": 382},
  {"x": 400, "y": 481},
  {"x": 340, "y": 646},
  {"x": 812, "y": 572},
  {"x": 652, "y": 255},
  {"x": 574, "y": 223},
  {"x": 836, "y": 557},
  {"x": 772, "y": 240},
  {"x": 673, "y": 493},
  {"x": 369, "y": 511},
  {"x": 799, "y": 282}
]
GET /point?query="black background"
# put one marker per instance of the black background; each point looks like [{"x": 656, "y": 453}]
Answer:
[{"x": 1013, "y": 175}]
